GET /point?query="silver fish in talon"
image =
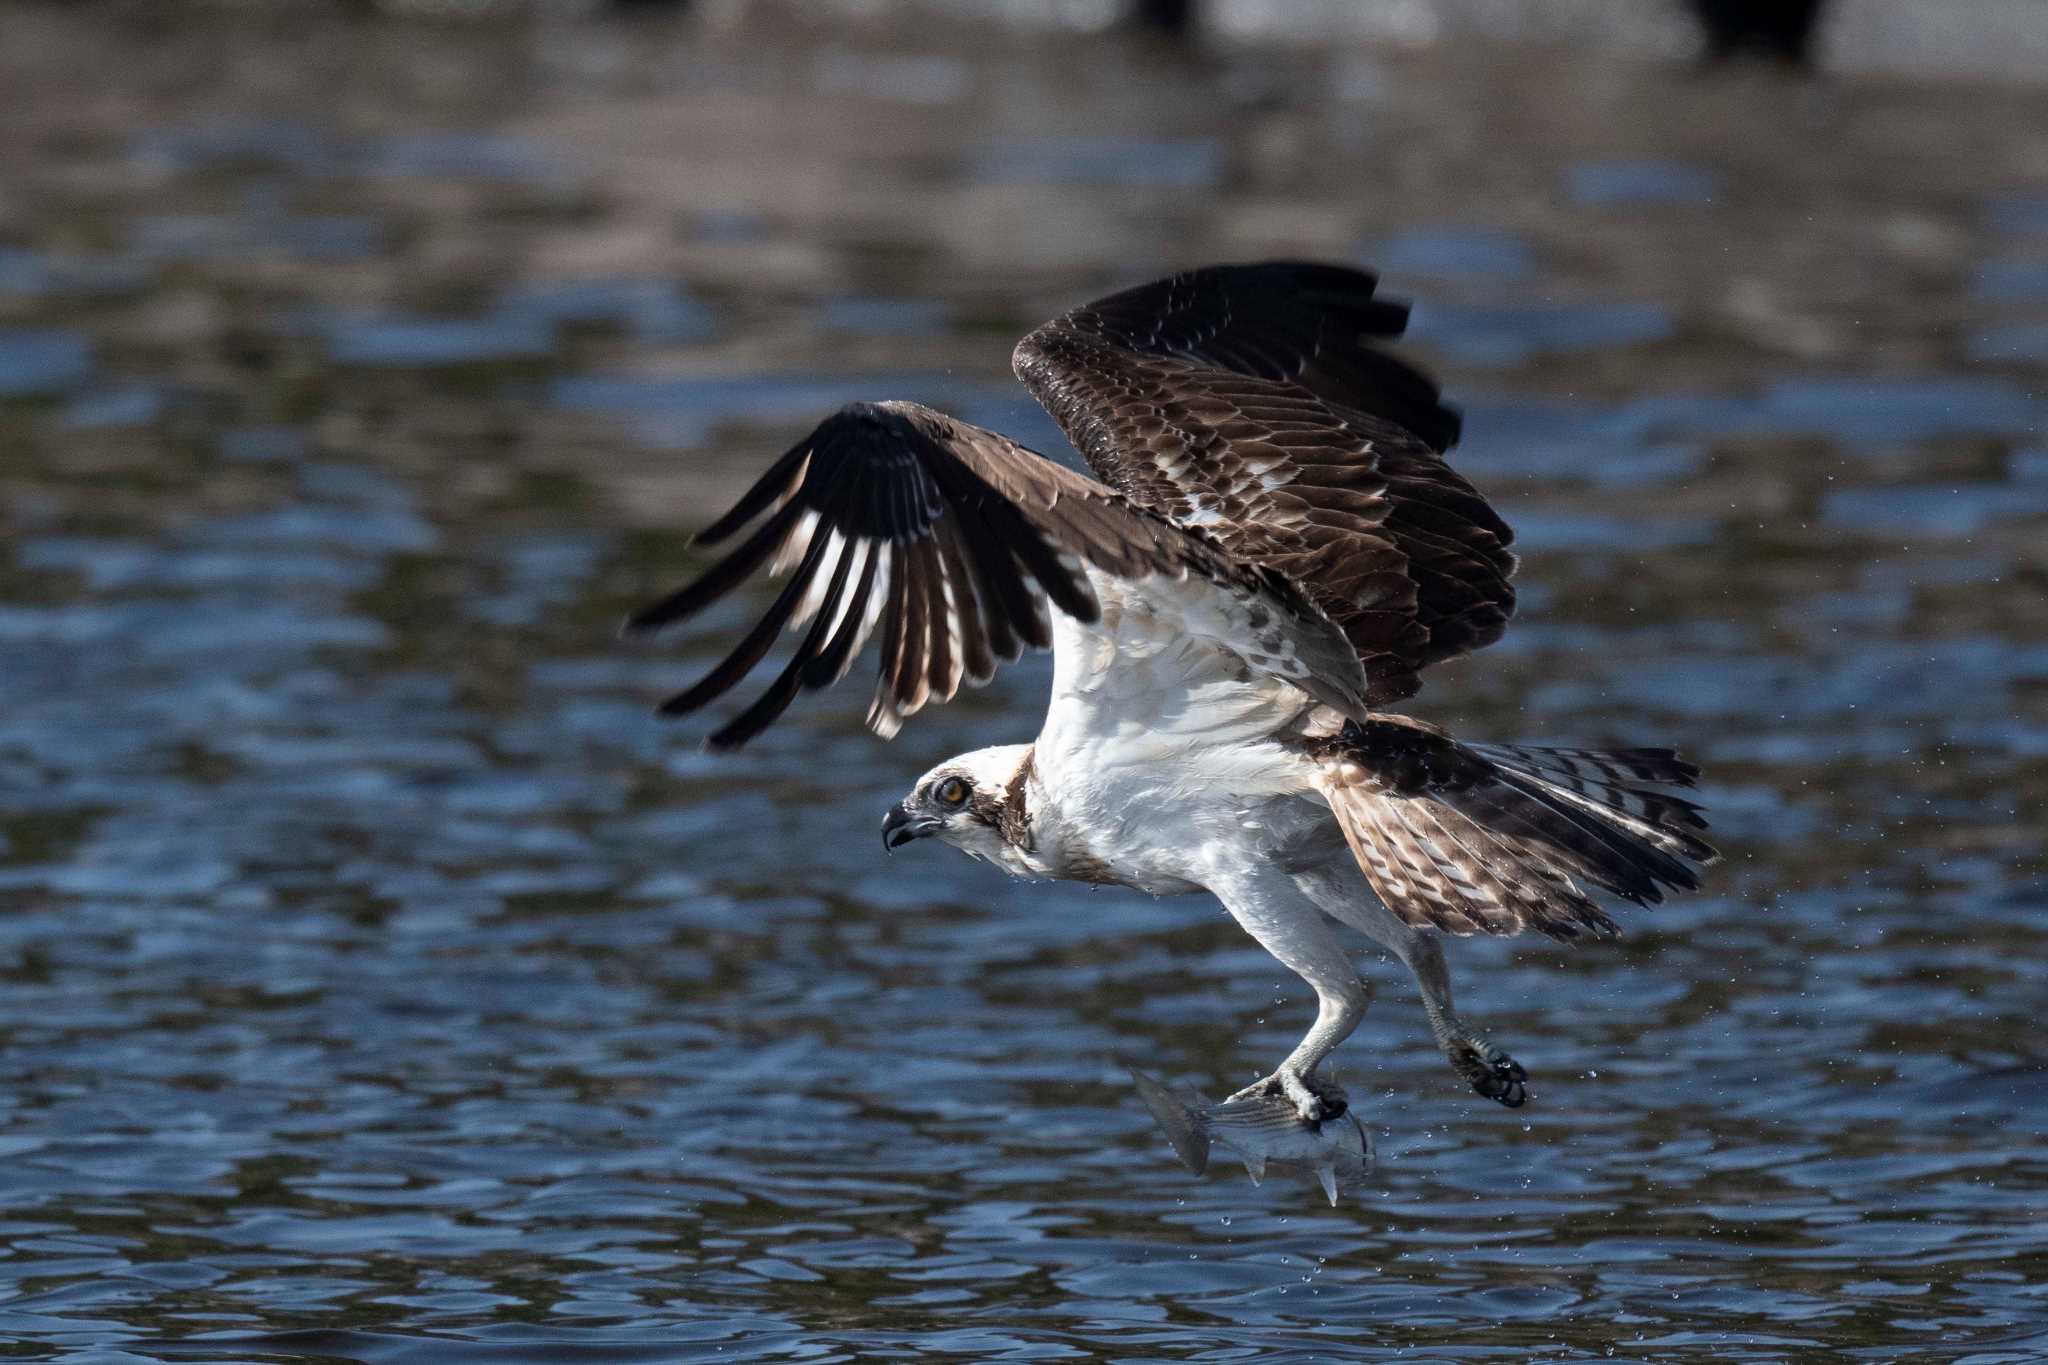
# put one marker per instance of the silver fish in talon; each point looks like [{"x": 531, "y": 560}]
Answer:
[{"x": 1263, "y": 1132}]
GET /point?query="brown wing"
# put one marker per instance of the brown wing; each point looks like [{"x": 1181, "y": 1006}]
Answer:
[
  {"x": 1471, "y": 838},
  {"x": 1246, "y": 400},
  {"x": 950, "y": 540}
]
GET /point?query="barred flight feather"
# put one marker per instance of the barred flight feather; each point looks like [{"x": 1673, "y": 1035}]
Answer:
[{"x": 957, "y": 543}]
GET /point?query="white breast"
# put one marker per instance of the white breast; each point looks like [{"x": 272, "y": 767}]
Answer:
[{"x": 1159, "y": 746}]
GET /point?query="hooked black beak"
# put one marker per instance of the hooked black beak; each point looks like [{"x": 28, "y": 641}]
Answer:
[{"x": 899, "y": 827}]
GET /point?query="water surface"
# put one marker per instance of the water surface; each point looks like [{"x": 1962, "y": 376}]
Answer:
[{"x": 380, "y": 981}]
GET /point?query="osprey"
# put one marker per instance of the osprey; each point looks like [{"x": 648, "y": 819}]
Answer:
[{"x": 1276, "y": 549}]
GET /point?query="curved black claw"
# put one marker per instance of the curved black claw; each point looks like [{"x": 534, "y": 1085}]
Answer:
[
  {"x": 1495, "y": 1075},
  {"x": 1330, "y": 1100},
  {"x": 1503, "y": 1081}
]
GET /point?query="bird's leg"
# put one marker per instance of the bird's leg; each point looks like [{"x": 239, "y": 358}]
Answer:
[
  {"x": 1345, "y": 896},
  {"x": 1485, "y": 1067},
  {"x": 1273, "y": 909},
  {"x": 1339, "y": 1007}
]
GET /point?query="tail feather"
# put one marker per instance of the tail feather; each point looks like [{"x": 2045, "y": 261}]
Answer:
[
  {"x": 1610, "y": 786},
  {"x": 1499, "y": 838},
  {"x": 1573, "y": 842},
  {"x": 1612, "y": 766},
  {"x": 1600, "y": 844}
]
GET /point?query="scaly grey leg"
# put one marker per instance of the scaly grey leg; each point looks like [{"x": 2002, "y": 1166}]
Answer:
[{"x": 1344, "y": 894}]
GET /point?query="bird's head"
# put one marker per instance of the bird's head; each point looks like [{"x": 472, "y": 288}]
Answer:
[{"x": 961, "y": 801}]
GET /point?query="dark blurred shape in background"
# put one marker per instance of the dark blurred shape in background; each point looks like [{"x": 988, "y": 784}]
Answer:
[
  {"x": 1175, "y": 18},
  {"x": 1781, "y": 29}
]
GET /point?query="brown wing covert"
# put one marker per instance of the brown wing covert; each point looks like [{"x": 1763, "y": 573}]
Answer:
[{"x": 1249, "y": 402}]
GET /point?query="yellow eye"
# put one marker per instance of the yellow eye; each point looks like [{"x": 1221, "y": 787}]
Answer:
[{"x": 952, "y": 792}]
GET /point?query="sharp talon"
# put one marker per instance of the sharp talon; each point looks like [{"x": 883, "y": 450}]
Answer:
[
  {"x": 1315, "y": 1101},
  {"x": 1326, "y": 1176},
  {"x": 1492, "y": 1073},
  {"x": 1498, "y": 1077},
  {"x": 1255, "y": 1167}
]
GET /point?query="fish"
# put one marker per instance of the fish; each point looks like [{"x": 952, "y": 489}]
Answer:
[{"x": 1263, "y": 1132}]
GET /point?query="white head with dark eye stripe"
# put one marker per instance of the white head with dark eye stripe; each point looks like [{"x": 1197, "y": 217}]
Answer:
[{"x": 966, "y": 802}]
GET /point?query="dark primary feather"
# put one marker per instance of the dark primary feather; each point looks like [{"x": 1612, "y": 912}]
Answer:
[
  {"x": 952, "y": 541},
  {"x": 1249, "y": 401},
  {"x": 1300, "y": 321}
]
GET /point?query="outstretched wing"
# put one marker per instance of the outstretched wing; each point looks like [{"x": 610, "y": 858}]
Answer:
[
  {"x": 1247, "y": 401},
  {"x": 951, "y": 540}
]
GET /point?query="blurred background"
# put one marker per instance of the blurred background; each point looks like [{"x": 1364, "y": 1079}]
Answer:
[{"x": 380, "y": 981}]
